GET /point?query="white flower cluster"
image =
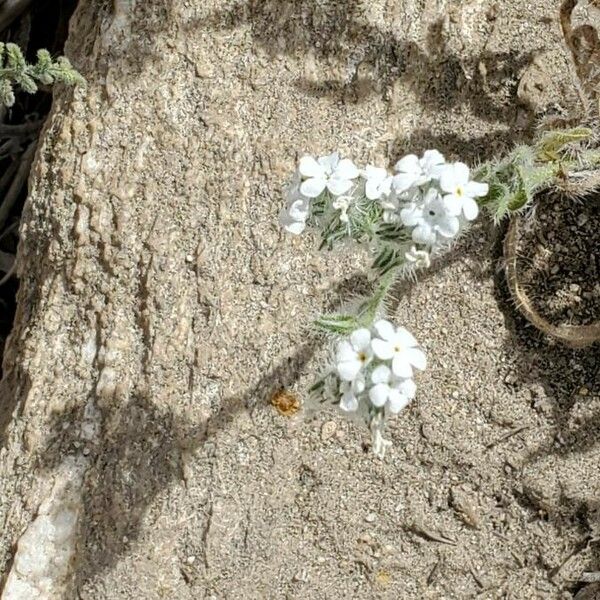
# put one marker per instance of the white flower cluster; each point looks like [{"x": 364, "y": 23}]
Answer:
[
  {"x": 376, "y": 366},
  {"x": 430, "y": 197}
]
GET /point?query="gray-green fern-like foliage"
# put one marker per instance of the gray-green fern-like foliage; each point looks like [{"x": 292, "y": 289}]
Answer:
[
  {"x": 15, "y": 71},
  {"x": 515, "y": 179}
]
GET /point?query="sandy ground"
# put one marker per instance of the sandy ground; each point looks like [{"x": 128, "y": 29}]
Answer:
[{"x": 199, "y": 488}]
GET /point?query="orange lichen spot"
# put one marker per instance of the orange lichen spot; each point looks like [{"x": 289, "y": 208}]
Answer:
[{"x": 286, "y": 402}]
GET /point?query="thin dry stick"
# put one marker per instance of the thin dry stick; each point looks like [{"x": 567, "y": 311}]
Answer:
[
  {"x": 10, "y": 10},
  {"x": 9, "y": 274},
  {"x": 17, "y": 184},
  {"x": 22, "y": 129},
  {"x": 8, "y": 174},
  {"x": 6, "y": 261}
]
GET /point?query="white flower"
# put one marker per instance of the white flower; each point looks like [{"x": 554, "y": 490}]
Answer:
[
  {"x": 294, "y": 217},
  {"x": 393, "y": 203},
  {"x": 327, "y": 172},
  {"x": 350, "y": 391},
  {"x": 399, "y": 346},
  {"x": 414, "y": 171},
  {"x": 396, "y": 392},
  {"x": 342, "y": 203},
  {"x": 378, "y": 182},
  {"x": 418, "y": 258},
  {"x": 430, "y": 220},
  {"x": 460, "y": 192},
  {"x": 353, "y": 355}
]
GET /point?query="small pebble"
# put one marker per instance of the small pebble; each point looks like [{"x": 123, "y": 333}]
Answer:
[
  {"x": 191, "y": 560},
  {"x": 370, "y": 518},
  {"x": 328, "y": 430}
]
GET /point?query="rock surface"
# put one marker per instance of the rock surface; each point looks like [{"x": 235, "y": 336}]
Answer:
[{"x": 161, "y": 306}]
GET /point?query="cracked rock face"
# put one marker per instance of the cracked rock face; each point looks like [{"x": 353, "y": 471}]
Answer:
[{"x": 161, "y": 307}]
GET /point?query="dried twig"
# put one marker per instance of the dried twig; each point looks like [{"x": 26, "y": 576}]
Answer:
[
  {"x": 430, "y": 535},
  {"x": 574, "y": 336},
  {"x": 507, "y": 436},
  {"x": 10, "y": 10},
  {"x": 18, "y": 182},
  {"x": 9, "y": 274},
  {"x": 6, "y": 261},
  {"x": 22, "y": 129}
]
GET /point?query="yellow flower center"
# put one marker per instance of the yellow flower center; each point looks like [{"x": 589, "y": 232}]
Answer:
[
  {"x": 362, "y": 357},
  {"x": 459, "y": 191},
  {"x": 398, "y": 348}
]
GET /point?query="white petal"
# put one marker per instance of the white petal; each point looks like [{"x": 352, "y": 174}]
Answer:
[
  {"x": 386, "y": 185},
  {"x": 417, "y": 358},
  {"x": 349, "y": 402},
  {"x": 448, "y": 226},
  {"x": 401, "y": 366},
  {"x": 461, "y": 173},
  {"x": 377, "y": 174},
  {"x": 452, "y": 204},
  {"x": 475, "y": 189},
  {"x": 345, "y": 351},
  {"x": 423, "y": 234},
  {"x": 309, "y": 167},
  {"x": 379, "y": 394},
  {"x": 383, "y": 350},
  {"x": 372, "y": 190},
  {"x": 299, "y": 209},
  {"x": 381, "y": 374},
  {"x": 295, "y": 227},
  {"x": 358, "y": 385},
  {"x": 385, "y": 329},
  {"x": 329, "y": 163},
  {"x": 346, "y": 169},
  {"x": 411, "y": 216},
  {"x": 348, "y": 369},
  {"x": 397, "y": 401},
  {"x": 405, "y": 338},
  {"x": 404, "y": 181},
  {"x": 408, "y": 164},
  {"x": 338, "y": 186},
  {"x": 311, "y": 188},
  {"x": 407, "y": 387},
  {"x": 470, "y": 209},
  {"x": 432, "y": 158},
  {"x": 448, "y": 180},
  {"x": 361, "y": 339}
]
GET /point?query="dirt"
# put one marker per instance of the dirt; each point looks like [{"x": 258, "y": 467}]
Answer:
[
  {"x": 558, "y": 259},
  {"x": 161, "y": 308}
]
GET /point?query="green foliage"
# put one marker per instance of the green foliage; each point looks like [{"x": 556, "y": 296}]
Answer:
[
  {"x": 368, "y": 309},
  {"x": 516, "y": 179},
  {"x": 552, "y": 143},
  {"x": 15, "y": 71}
]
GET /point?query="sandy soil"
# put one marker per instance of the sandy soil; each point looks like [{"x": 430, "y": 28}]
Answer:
[{"x": 198, "y": 488}]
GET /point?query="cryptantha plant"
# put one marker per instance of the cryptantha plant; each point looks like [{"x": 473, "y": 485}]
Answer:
[
  {"x": 406, "y": 218},
  {"x": 15, "y": 71}
]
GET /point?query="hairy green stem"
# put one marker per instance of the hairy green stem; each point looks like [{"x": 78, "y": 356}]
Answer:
[{"x": 369, "y": 309}]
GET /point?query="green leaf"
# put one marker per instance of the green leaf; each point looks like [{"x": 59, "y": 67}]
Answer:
[
  {"x": 14, "y": 70},
  {"x": 552, "y": 142},
  {"x": 338, "y": 324},
  {"x": 7, "y": 96}
]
